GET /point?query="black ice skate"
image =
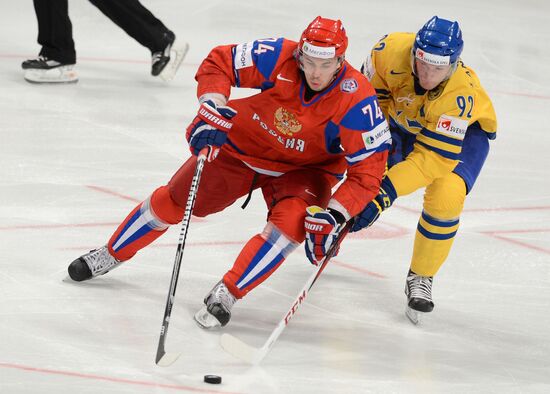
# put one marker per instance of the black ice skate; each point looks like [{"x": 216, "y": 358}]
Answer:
[
  {"x": 216, "y": 311},
  {"x": 418, "y": 290},
  {"x": 44, "y": 70},
  {"x": 96, "y": 262},
  {"x": 165, "y": 63}
]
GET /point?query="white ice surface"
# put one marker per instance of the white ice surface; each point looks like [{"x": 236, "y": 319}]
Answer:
[{"x": 75, "y": 159}]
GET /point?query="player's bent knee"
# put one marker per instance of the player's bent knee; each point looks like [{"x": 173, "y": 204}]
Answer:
[
  {"x": 445, "y": 200},
  {"x": 279, "y": 239},
  {"x": 288, "y": 217},
  {"x": 164, "y": 207}
]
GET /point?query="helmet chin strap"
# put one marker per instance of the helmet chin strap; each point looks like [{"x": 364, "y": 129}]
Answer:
[{"x": 341, "y": 61}]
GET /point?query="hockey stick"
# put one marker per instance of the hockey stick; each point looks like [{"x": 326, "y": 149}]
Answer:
[
  {"x": 252, "y": 355},
  {"x": 165, "y": 359}
]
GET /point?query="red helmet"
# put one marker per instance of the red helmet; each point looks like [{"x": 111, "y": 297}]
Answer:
[{"x": 324, "y": 38}]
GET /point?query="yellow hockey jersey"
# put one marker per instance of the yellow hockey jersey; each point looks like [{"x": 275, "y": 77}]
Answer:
[{"x": 438, "y": 118}]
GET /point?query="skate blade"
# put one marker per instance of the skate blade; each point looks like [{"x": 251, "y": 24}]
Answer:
[
  {"x": 67, "y": 279},
  {"x": 177, "y": 54},
  {"x": 63, "y": 74},
  {"x": 205, "y": 320},
  {"x": 413, "y": 315}
]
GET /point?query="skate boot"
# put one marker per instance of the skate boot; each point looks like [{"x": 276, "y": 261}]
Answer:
[
  {"x": 418, "y": 290},
  {"x": 216, "y": 311},
  {"x": 96, "y": 262},
  {"x": 165, "y": 63},
  {"x": 44, "y": 70}
]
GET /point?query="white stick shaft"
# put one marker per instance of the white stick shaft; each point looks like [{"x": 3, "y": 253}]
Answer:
[{"x": 163, "y": 358}]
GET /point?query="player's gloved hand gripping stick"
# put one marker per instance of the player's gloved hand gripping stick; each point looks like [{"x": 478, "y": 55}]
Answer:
[
  {"x": 210, "y": 127},
  {"x": 385, "y": 198},
  {"x": 322, "y": 228}
]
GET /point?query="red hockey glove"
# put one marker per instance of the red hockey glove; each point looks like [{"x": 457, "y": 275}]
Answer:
[{"x": 322, "y": 228}]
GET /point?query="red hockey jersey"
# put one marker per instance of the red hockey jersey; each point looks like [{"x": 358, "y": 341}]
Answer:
[{"x": 341, "y": 128}]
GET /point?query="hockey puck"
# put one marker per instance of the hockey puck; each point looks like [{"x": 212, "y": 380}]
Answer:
[{"x": 212, "y": 379}]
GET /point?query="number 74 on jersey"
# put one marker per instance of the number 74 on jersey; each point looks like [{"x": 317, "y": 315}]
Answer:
[{"x": 373, "y": 114}]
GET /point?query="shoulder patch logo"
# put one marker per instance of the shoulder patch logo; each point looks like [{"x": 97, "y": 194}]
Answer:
[
  {"x": 377, "y": 136},
  {"x": 243, "y": 55},
  {"x": 349, "y": 85},
  {"x": 443, "y": 124},
  {"x": 452, "y": 127},
  {"x": 369, "y": 140}
]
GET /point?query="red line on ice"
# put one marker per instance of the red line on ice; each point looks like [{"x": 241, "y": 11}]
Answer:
[
  {"x": 97, "y": 59},
  {"x": 171, "y": 245},
  {"x": 124, "y": 197},
  {"x": 112, "y": 193},
  {"x": 528, "y": 95},
  {"x": 109, "y": 379},
  {"x": 358, "y": 269},
  {"x": 495, "y": 234},
  {"x": 503, "y": 209},
  {"x": 44, "y": 226},
  {"x": 535, "y": 230}
]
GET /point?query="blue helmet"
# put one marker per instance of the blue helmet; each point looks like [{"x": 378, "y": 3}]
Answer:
[{"x": 439, "y": 42}]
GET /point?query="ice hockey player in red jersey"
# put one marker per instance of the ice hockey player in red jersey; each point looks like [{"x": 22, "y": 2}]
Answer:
[{"x": 315, "y": 121}]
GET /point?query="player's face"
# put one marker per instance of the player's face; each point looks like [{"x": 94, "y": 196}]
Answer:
[
  {"x": 319, "y": 72},
  {"x": 429, "y": 75}
]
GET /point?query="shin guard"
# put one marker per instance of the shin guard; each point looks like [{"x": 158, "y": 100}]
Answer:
[
  {"x": 144, "y": 224},
  {"x": 432, "y": 244},
  {"x": 438, "y": 224},
  {"x": 260, "y": 257}
]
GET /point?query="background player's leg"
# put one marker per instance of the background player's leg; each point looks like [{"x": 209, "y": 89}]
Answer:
[
  {"x": 140, "y": 24},
  {"x": 57, "y": 56}
]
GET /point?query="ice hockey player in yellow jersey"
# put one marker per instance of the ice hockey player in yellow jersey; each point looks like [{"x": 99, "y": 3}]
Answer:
[{"x": 441, "y": 121}]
